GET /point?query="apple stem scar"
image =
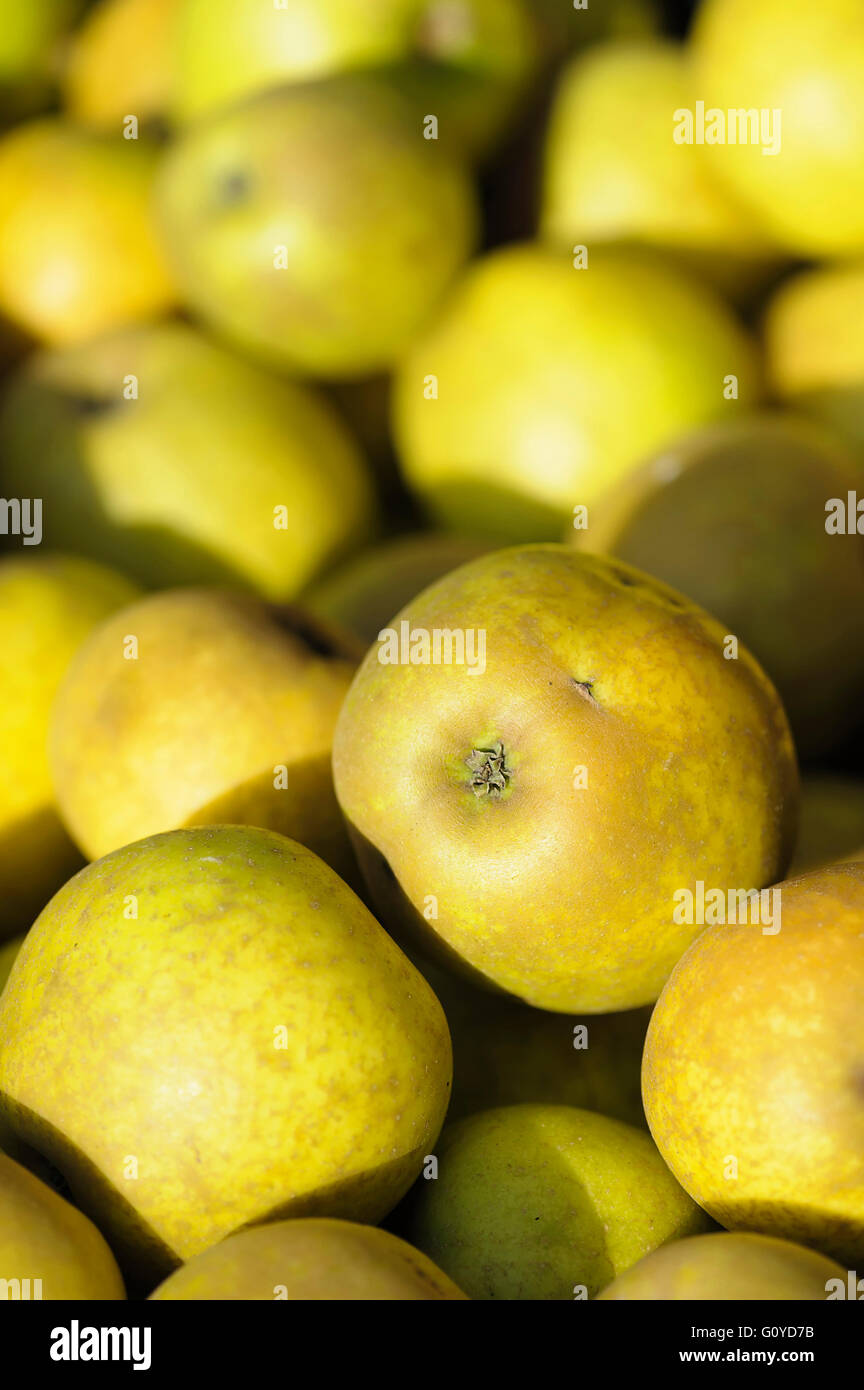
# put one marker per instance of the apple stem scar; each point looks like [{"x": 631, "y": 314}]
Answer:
[{"x": 489, "y": 771}]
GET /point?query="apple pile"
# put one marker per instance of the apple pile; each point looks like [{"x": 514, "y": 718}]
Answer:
[{"x": 431, "y": 443}]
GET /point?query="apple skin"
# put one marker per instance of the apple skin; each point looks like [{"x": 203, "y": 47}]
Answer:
[
  {"x": 753, "y": 1057},
  {"x": 44, "y": 1237},
  {"x": 528, "y": 355},
  {"x": 314, "y": 226},
  {"x": 79, "y": 252},
  {"x": 49, "y": 604},
  {"x": 249, "y": 1046},
  {"x": 552, "y": 891},
  {"x": 153, "y": 483},
  {"x": 769, "y": 55},
  {"x": 534, "y": 1201},
  {"x": 729, "y": 1265},
  {"x": 310, "y": 1260},
  {"x": 222, "y": 693}
]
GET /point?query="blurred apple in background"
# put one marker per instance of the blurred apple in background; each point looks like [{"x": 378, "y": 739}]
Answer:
[
  {"x": 315, "y": 227},
  {"x": 614, "y": 173},
  {"x": 734, "y": 516},
  {"x": 48, "y": 605},
  {"x": 193, "y": 480},
  {"x": 805, "y": 62},
  {"x": 120, "y": 62},
  {"x": 831, "y": 827},
  {"x": 539, "y": 385},
  {"x": 814, "y": 345},
  {"x": 466, "y": 61},
  {"x": 78, "y": 249}
]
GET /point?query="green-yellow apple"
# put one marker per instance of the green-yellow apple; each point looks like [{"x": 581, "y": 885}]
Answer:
[
  {"x": 542, "y": 752},
  {"x": 832, "y": 821},
  {"x": 79, "y": 253},
  {"x": 48, "y": 1249},
  {"x": 198, "y": 707},
  {"x": 734, "y": 516},
  {"x": 310, "y": 1260},
  {"x": 48, "y": 605},
  {"x": 613, "y": 172},
  {"x": 364, "y": 593},
  {"x": 795, "y": 74},
  {"x": 540, "y": 384},
  {"x": 730, "y": 1265},
  {"x": 505, "y": 1053},
  {"x": 314, "y": 226},
  {"x": 752, "y": 1073},
  {"x": 545, "y": 1201},
  {"x": 206, "y": 1030},
  {"x": 120, "y": 62},
  {"x": 814, "y": 346},
  {"x": 8, "y": 952},
  {"x": 161, "y": 452},
  {"x": 465, "y": 61}
]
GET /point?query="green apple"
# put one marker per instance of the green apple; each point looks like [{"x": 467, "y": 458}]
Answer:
[
  {"x": 79, "y": 253},
  {"x": 508, "y": 408},
  {"x": 466, "y": 61},
  {"x": 799, "y": 69},
  {"x": 363, "y": 594},
  {"x": 159, "y": 451},
  {"x": 48, "y": 605},
  {"x": 511, "y": 755},
  {"x": 314, "y": 226},
  {"x": 752, "y": 1076},
  {"x": 832, "y": 821},
  {"x": 48, "y": 1250},
  {"x": 734, "y": 516},
  {"x": 814, "y": 346},
  {"x": 545, "y": 1202},
  {"x": 206, "y": 1030},
  {"x": 310, "y": 1261},
  {"x": 729, "y": 1265},
  {"x": 221, "y": 712},
  {"x": 614, "y": 174}
]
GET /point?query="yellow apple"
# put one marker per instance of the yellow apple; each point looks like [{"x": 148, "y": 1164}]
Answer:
[
  {"x": 120, "y": 62},
  {"x": 752, "y": 1075},
  {"x": 735, "y": 1266},
  {"x": 195, "y": 707},
  {"x": 48, "y": 605},
  {"x": 161, "y": 452},
  {"x": 545, "y": 749},
  {"x": 78, "y": 247},
  {"x": 207, "y": 1030},
  {"x": 539, "y": 385}
]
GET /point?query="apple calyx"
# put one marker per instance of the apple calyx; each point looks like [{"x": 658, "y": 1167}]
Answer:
[{"x": 489, "y": 771}]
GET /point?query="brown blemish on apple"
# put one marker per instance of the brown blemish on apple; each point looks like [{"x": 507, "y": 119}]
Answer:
[
  {"x": 489, "y": 771},
  {"x": 586, "y": 690}
]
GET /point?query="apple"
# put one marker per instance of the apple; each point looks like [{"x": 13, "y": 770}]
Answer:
[
  {"x": 314, "y": 226},
  {"x": 195, "y": 707},
  {"x": 162, "y": 452},
  {"x": 207, "y": 1030},
  {"x": 48, "y": 605},
  {"x": 527, "y": 804},
  {"x": 79, "y": 253},
  {"x": 752, "y": 1069},
  {"x": 539, "y": 385},
  {"x": 121, "y": 61},
  {"x": 731, "y": 1265}
]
